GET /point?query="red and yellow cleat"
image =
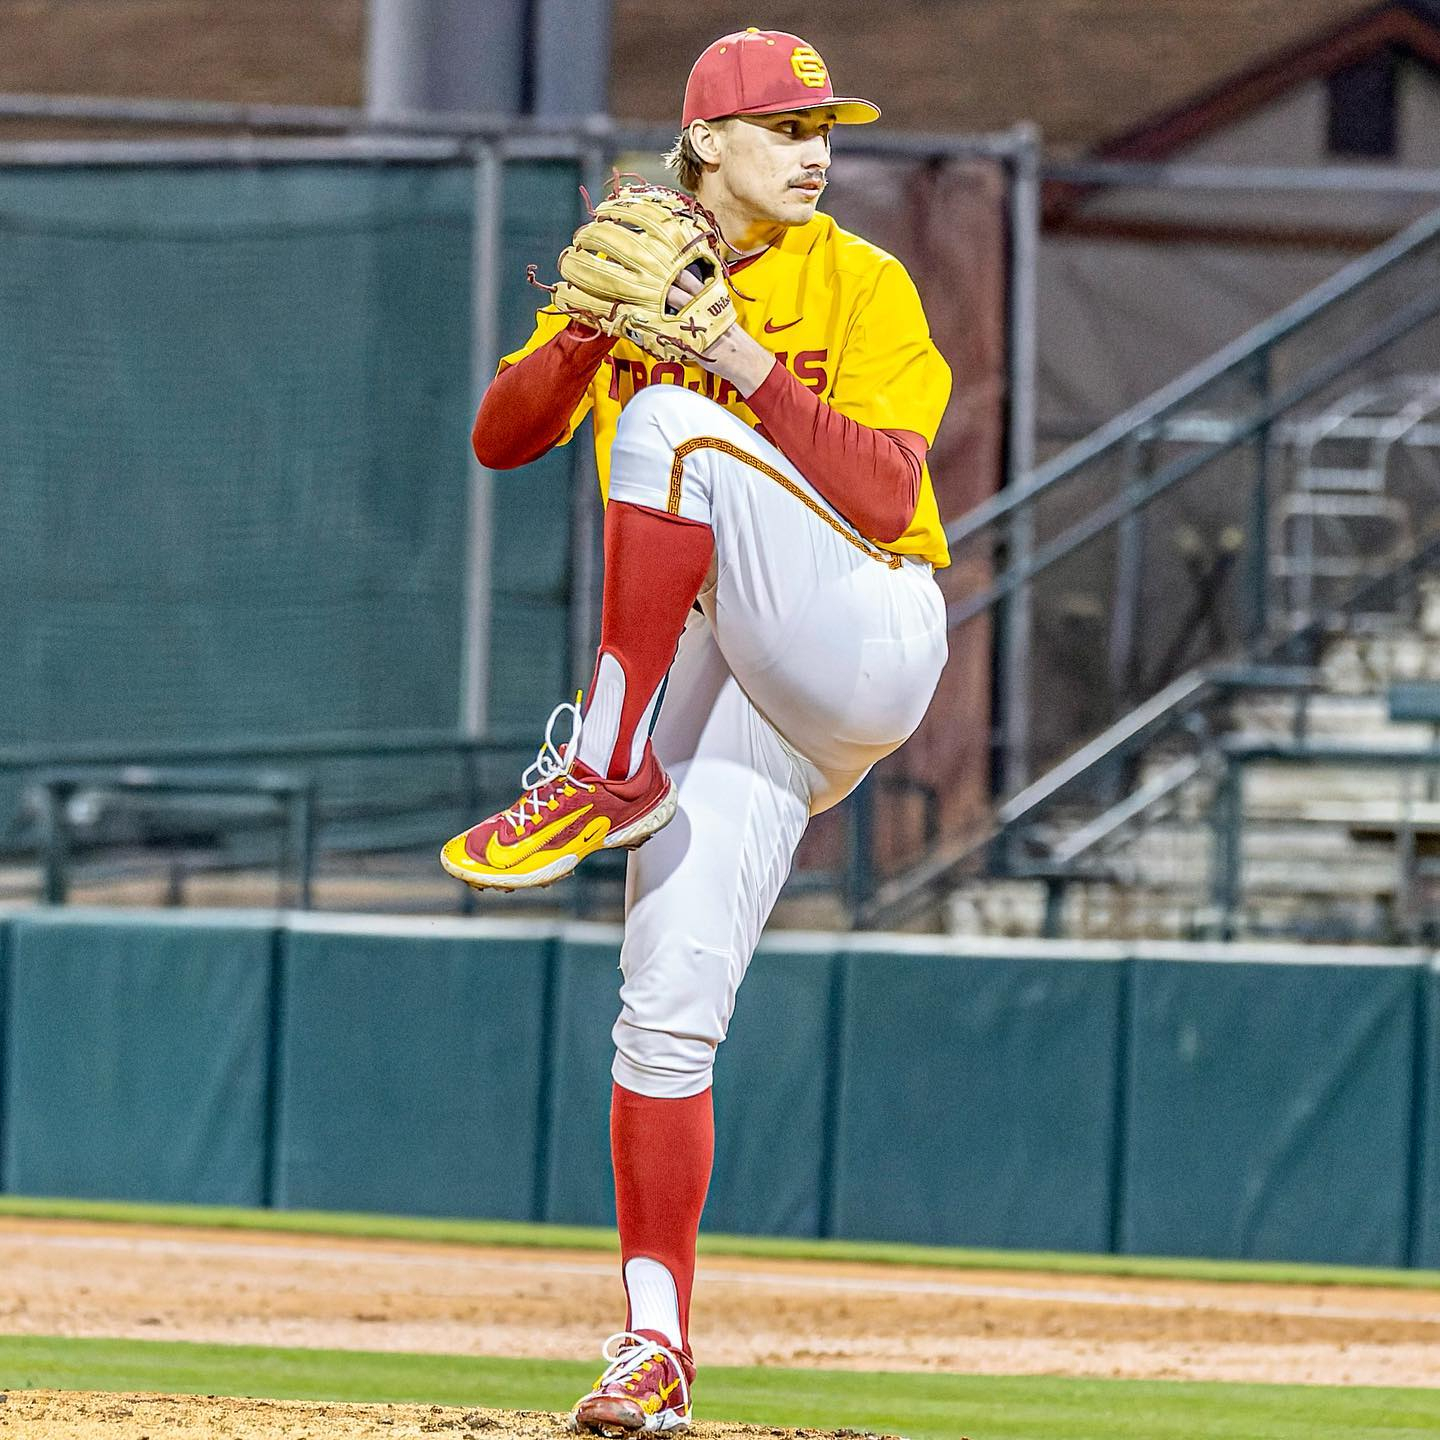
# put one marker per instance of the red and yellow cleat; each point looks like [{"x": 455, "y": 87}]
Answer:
[
  {"x": 566, "y": 812},
  {"x": 645, "y": 1391}
]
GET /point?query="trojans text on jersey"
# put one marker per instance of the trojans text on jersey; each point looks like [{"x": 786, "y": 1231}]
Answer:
[{"x": 809, "y": 367}]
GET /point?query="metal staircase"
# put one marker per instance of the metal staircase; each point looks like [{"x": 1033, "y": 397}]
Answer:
[{"x": 1221, "y": 533}]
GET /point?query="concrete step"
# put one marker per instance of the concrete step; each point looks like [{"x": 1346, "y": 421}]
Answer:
[
  {"x": 1357, "y": 663},
  {"x": 1357, "y": 719},
  {"x": 1291, "y": 851},
  {"x": 1317, "y": 854},
  {"x": 1102, "y": 911}
]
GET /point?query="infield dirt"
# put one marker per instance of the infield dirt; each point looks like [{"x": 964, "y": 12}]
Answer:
[
  {"x": 52, "y": 1415},
  {"x": 148, "y": 1282},
  {"x": 237, "y": 1287}
]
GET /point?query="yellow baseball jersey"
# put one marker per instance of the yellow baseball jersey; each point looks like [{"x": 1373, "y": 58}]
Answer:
[{"x": 841, "y": 315}]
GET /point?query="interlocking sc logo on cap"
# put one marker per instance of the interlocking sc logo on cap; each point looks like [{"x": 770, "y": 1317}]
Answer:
[
  {"x": 766, "y": 72},
  {"x": 809, "y": 68}
]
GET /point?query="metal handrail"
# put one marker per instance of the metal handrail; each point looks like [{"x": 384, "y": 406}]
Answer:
[
  {"x": 324, "y": 745},
  {"x": 1131, "y": 729},
  {"x": 57, "y": 770},
  {"x": 1120, "y": 816},
  {"x": 1009, "y": 590},
  {"x": 1224, "y": 362},
  {"x": 460, "y": 125},
  {"x": 901, "y": 897},
  {"x": 905, "y": 895},
  {"x": 1228, "y": 818},
  {"x": 1305, "y": 179},
  {"x": 237, "y": 149},
  {"x": 1096, "y": 521},
  {"x": 294, "y": 794}
]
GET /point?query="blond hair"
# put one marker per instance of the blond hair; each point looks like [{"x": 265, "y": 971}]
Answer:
[{"x": 685, "y": 161}]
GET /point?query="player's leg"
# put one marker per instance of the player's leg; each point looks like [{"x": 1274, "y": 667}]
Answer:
[
  {"x": 697, "y": 898},
  {"x": 838, "y": 643},
  {"x": 605, "y": 788},
  {"x": 655, "y": 564}
]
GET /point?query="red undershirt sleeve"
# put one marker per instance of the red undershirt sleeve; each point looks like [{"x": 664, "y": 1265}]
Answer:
[
  {"x": 527, "y": 405},
  {"x": 872, "y": 477}
]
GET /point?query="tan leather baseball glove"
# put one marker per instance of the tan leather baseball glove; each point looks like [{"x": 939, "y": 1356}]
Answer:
[{"x": 616, "y": 274}]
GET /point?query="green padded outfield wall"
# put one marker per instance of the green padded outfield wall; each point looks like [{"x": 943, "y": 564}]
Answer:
[
  {"x": 4, "y": 1027},
  {"x": 774, "y": 1097},
  {"x": 137, "y": 1057},
  {"x": 1265, "y": 1102},
  {"x": 410, "y": 1069},
  {"x": 1426, "y": 1228},
  {"x": 772, "y": 1079},
  {"x": 977, "y": 1095},
  {"x": 578, "y": 1186},
  {"x": 1270, "y": 1104},
  {"x": 235, "y": 407}
]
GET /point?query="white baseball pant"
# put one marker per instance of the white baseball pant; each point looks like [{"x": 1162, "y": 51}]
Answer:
[{"x": 816, "y": 655}]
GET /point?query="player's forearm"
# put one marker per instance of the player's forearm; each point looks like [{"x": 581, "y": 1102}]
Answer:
[
  {"x": 872, "y": 477},
  {"x": 528, "y": 404},
  {"x": 739, "y": 358}
]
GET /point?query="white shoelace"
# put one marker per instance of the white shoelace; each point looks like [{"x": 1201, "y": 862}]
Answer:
[
  {"x": 553, "y": 762},
  {"x": 630, "y": 1353}
]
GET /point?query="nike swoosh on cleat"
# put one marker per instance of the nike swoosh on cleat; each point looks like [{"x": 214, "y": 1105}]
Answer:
[
  {"x": 773, "y": 329},
  {"x": 503, "y": 856}
]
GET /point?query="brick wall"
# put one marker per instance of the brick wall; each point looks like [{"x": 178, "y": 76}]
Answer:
[
  {"x": 292, "y": 52},
  {"x": 1081, "y": 68}
]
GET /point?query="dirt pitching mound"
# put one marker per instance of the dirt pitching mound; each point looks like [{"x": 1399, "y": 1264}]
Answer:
[{"x": 65, "y": 1415}]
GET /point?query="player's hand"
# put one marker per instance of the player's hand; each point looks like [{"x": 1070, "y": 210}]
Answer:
[
  {"x": 735, "y": 356},
  {"x": 685, "y": 288}
]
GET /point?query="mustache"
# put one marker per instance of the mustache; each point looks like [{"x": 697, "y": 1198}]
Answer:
[{"x": 810, "y": 178}]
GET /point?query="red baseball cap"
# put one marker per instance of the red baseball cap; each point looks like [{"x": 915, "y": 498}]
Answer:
[{"x": 765, "y": 72}]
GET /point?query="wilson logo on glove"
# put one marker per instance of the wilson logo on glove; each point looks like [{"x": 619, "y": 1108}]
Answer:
[{"x": 617, "y": 272}]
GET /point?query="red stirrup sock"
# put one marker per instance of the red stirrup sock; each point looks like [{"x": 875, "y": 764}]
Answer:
[
  {"x": 662, "y": 1151},
  {"x": 655, "y": 565}
]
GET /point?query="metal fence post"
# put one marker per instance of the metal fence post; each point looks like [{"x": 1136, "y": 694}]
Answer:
[
  {"x": 1052, "y": 927},
  {"x": 860, "y": 846},
  {"x": 302, "y": 821},
  {"x": 1258, "y": 619},
  {"x": 1129, "y": 569},
  {"x": 1227, "y": 818},
  {"x": 585, "y": 508},
  {"x": 480, "y": 499},
  {"x": 54, "y": 796},
  {"x": 1013, "y": 671}
]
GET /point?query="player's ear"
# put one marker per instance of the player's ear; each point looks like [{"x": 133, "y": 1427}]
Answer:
[{"x": 706, "y": 139}]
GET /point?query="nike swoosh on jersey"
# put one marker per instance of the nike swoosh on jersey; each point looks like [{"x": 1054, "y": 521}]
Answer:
[
  {"x": 772, "y": 329},
  {"x": 503, "y": 856}
]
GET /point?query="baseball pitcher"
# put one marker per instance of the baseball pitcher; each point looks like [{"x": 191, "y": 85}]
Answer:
[{"x": 764, "y": 390}]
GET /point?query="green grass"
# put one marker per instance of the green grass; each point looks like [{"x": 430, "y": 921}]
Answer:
[
  {"x": 920, "y": 1407},
  {"x": 579, "y": 1237}
]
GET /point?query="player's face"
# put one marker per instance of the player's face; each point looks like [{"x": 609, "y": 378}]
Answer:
[{"x": 773, "y": 166}]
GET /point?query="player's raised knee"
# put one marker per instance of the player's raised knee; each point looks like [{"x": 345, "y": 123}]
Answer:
[{"x": 672, "y": 409}]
